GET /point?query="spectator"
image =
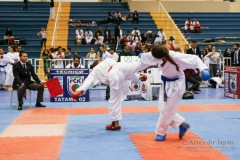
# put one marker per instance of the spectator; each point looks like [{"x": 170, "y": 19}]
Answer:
[
  {"x": 19, "y": 48},
  {"x": 105, "y": 53},
  {"x": 107, "y": 35},
  {"x": 68, "y": 54},
  {"x": 162, "y": 34},
  {"x": 171, "y": 41},
  {"x": 144, "y": 38},
  {"x": 188, "y": 25},
  {"x": 126, "y": 17},
  {"x": 186, "y": 47},
  {"x": 236, "y": 55},
  {"x": 79, "y": 36},
  {"x": 127, "y": 39},
  {"x": 14, "y": 57},
  {"x": 135, "y": 39},
  {"x": 194, "y": 78},
  {"x": 158, "y": 40},
  {"x": 114, "y": 54},
  {"x": 88, "y": 36},
  {"x": 118, "y": 16},
  {"x": 8, "y": 32},
  {"x": 125, "y": 51},
  {"x": 76, "y": 63},
  {"x": 209, "y": 48},
  {"x": 110, "y": 18},
  {"x": 213, "y": 59},
  {"x": 23, "y": 72},
  {"x": 91, "y": 54},
  {"x": 97, "y": 39},
  {"x": 138, "y": 48},
  {"x": 77, "y": 53},
  {"x": 204, "y": 53},
  {"x": 148, "y": 47},
  {"x": 135, "y": 17},
  {"x": 100, "y": 31},
  {"x": 46, "y": 55},
  {"x": 227, "y": 54},
  {"x": 135, "y": 30},
  {"x": 52, "y": 11},
  {"x": 118, "y": 35},
  {"x": 25, "y": 5},
  {"x": 194, "y": 49},
  {"x": 196, "y": 26},
  {"x": 100, "y": 51},
  {"x": 4, "y": 61},
  {"x": 58, "y": 56},
  {"x": 44, "y": 35},
  {"x": 91, "y": 57}
]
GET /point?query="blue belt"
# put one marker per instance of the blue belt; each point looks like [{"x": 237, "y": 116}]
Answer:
[
  {"x": 2, "y": 66},
  {"x": 165, "y": 79}
]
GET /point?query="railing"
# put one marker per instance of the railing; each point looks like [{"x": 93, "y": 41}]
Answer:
[
  {"x": 54, "y": 37},
  {"x": 175, "y": 29}
]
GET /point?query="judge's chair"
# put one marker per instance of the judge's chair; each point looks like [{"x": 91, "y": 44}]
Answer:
[{"x": 28, "y": 92}]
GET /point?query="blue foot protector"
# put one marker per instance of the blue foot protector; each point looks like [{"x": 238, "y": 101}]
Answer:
[
  {"x": 160, "y": 138},
  {"x": 183, "y": 129}
]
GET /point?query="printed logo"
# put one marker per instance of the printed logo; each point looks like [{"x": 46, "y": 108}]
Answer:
[
  {"x": 226, "y": 82},
  {"x": 144, "y": 88},
  {"x": 135, "y": 85},
  {"x": 233, "y": 83},
  {"x": 73, "y": 83}
]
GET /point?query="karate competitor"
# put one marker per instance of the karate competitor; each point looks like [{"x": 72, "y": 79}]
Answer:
[
  {"x": 14, "y": 57},
  {"x": 4, "y": 61},
  {"x": 172, "y": 65},
  {"x": 116, "y": 75},
  {"x": 188, "y": 25}
]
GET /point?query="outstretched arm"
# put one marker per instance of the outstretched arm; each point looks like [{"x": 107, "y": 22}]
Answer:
[{"x": 186, "y": 61}]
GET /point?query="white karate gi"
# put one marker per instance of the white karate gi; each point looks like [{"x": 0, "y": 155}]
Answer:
[
  {"x": 88, "y": 36},
  {"x": 79, "y": 34},
  {"x": 3, "y": 65},
  {"x": 58, "y": 63},
  {"x": 162, "y": 35},
  {"x": 174, "y": 89},
  {"x": 116, "y": 75},
  {"x": 188, "y": 25},
  {"x": 9, "y": 72}
]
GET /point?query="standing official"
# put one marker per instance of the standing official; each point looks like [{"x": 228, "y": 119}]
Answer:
[
  {"x": 25, "y": 4},
  {"x": 23, "y": 71},
  {"x": 52, "y": 11}
]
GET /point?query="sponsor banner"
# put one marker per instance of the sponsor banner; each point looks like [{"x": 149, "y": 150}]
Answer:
[
  {"x": 232, "y": 82},
  {"x": 70, "y": 80}
]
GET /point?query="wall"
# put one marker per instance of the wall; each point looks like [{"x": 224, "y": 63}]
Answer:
[
  {"x": 143, "y": 5},
  {"x": 54, "y": 0},
  {"x": 185, "y": 5}
]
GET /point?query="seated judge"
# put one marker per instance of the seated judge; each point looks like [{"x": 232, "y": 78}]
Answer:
[{"x": 23, "y": 71}]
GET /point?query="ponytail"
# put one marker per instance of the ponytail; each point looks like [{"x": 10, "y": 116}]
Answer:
[
  {"x": 172, "y": 62},
  {"x": 160, "y": 51}
]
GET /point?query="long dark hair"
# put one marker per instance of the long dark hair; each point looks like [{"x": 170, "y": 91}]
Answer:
[{"x": 160, "y": 51}]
